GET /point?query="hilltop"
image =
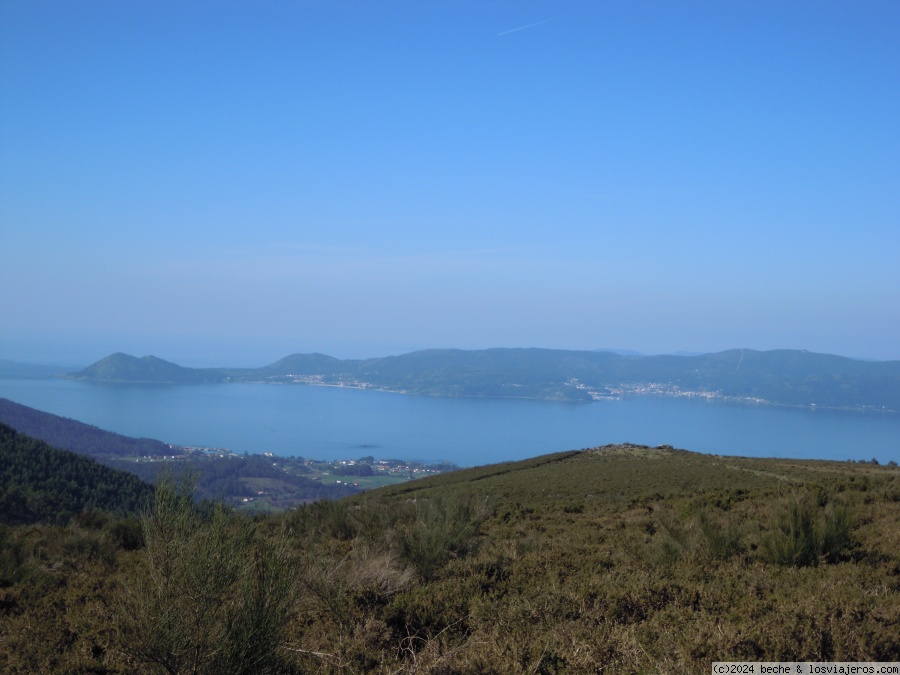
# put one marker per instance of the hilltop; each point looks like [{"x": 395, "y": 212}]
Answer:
[
  {"x": 782, "y": 377},
  {"x": 631, "y": 474},
  {"x": 121, "y": 367},
  {"x": 618, "y": 558}
]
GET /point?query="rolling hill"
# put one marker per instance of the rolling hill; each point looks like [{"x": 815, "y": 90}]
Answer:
[
  {"x": 613, "y": 559},
  {"x": 69, "y": 434},
  {"x": 783, "y": 377},
  {"x": 121, "y": 367}
]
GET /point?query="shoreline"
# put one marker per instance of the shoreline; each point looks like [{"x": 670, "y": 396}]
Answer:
[{"x": 595, "y": 396}]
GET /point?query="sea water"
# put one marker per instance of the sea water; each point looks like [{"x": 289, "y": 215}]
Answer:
[{"x": 345, "y": 423}]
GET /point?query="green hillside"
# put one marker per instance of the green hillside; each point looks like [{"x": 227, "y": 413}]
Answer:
[
  {"x": 41, "y": 483},
  {"x": 219, "y": 475},
  {"x": 86, "y": 439},
  {"x": 784, "y": 377},
  {"x": 620, "y": 559}
]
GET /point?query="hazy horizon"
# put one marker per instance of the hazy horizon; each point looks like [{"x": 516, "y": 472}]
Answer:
[
  {"x": 228, "y": 184},
  {"x": 177, "y": 353}
]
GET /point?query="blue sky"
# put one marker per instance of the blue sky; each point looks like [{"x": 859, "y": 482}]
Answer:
[{"x": 226, "y": 183}]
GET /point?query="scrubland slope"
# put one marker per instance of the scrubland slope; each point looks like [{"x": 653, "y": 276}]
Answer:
[{"x": 613, "y": 559}]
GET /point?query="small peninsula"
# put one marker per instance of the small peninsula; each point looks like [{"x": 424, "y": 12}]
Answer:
[{"x": 778, "y": 377}]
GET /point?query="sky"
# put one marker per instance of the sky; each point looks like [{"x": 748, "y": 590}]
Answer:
[{"x": 226, "y": 183}]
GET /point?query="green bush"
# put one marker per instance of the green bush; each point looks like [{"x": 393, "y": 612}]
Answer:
[
  {"x": 442, "y": 528},
  {"x": 720, "y": 537},
  {"x": 837, "y": 532},
  {"x": 214, "y": 599},
  {"x": 127, "y": 533},
  {"x": 707, "y": 535},
  {"x": 326, "y": 518},
  {"x": 806, "y": 532}
]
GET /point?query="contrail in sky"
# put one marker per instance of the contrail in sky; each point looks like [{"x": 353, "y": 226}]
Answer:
[{"x": 513, "y": 30}]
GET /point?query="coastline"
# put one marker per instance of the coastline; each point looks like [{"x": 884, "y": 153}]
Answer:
[{"x": 611, "y": 393}]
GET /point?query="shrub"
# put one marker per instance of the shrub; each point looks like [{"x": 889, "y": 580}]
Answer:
[
  {"x": 328, "y": 518},
  {"x": 442, "y": 528},
  {"x": 794, "y": 542},
  {"x": 672, "y": 537},
  {"x": 214, "y": 599},
  {"x": 837, "y": 532},
  {"x": 805, "y": 533},
  {"x": 127, "y": 533},
  {"x": 720, "y": 537}
]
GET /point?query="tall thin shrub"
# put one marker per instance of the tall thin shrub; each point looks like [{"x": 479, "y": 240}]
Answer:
[
  {"x": 442, "y": 528},
  {"x": 837, "y": 533},
  {"x": 213, "y": 600},
  {"x": 805, "y": 533}
]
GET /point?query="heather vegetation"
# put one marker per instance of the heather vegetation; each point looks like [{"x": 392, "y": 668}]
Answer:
[{"x": 615, "y": 559}]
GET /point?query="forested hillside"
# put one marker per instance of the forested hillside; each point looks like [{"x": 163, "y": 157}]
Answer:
[
  {"x": 217, "y": 476},
  {"x": 69, "y": 434},
  {"x": 42, "y": 483}
]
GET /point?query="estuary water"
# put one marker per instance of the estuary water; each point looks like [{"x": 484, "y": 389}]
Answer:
[{"x": 345, "y": 423}]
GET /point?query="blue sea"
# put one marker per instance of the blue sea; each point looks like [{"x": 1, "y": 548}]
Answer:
[{"x": 343, "y": 423}]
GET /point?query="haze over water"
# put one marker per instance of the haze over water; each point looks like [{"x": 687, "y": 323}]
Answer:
[{"x": 343, "y": 423}]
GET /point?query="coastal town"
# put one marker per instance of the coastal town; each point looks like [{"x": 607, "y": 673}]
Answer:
[{"x": 604, "y": 393}]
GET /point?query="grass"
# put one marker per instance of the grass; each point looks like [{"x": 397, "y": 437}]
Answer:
[
  {"x": 365, "y": 482},
  {"x": 614, "y": 559}
]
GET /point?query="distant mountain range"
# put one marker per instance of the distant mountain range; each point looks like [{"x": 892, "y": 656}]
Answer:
[{"x": 783, "y": 377}]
